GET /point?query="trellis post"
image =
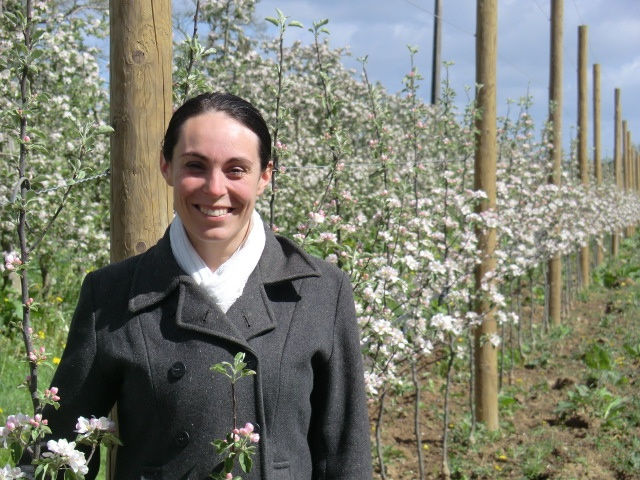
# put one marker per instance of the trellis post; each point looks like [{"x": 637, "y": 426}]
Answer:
[
  {"x": 597, "y": 145},
  {"x": 617, "y": 162},
  {"x": 141, "y": 105},
  {"x": 485, "y": 352},
  {"x": 582, "y": 140},
  {"x": 554, "y": 270}
]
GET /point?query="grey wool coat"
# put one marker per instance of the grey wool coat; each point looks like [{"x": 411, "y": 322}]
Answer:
[{"x": 145, "y": 335}]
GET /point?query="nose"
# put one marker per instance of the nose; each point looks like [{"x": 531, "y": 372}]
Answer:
[{"x": 215, "y": 183}]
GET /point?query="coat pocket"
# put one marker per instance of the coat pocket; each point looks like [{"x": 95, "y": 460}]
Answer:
[{"x": 281, "y": 471}]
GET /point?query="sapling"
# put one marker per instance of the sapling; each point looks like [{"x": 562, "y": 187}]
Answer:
[{"x": 239, "y": 444}]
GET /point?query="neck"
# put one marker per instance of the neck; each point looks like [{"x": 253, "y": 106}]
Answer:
[{"x": 215, "y": 254}]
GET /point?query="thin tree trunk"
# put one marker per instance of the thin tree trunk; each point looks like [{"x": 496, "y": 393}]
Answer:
[
  {"x": 416, "y": 419},
  {"x": 446, "y": 473},
  {"x": 378, "y": 433}
]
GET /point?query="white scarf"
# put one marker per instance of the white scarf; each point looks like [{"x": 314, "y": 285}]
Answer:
[{"x": 226, "y": 284}]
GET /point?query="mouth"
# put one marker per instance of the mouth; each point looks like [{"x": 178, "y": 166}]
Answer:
[{"x": 214, "y": 212}]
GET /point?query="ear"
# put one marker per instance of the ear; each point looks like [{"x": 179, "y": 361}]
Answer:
[
  {"x": 265, "y": 178},
  {"x": 166, "y": 168}
]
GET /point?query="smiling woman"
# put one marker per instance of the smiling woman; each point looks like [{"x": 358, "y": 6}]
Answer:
[
  {"x": 147, "y": 330},
  {"x": 216, "y": 173}
]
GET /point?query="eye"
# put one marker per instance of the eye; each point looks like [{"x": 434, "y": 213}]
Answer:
[
  {"x": 194, "y": 165},
  {"x": 236, "y": 171}
]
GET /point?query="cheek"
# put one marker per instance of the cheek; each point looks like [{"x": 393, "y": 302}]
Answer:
[
  {"x": 246, "y": 192},
  {"x": 187, "y": 185}
]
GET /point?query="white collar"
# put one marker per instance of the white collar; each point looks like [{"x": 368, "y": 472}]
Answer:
[{"x": 226, "y": 284}]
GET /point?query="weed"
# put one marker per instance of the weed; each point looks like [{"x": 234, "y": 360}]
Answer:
[
  {"x": 598, "y": 357},
  {"x": 534, "y": 459}
]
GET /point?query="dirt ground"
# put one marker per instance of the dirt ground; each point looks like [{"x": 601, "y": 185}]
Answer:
[{"x": 535, "y": 441}]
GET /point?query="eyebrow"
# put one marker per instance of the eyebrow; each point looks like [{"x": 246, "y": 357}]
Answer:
[
  {"x": 204, "y": 157},
  {"x": 194, "y": 154}
]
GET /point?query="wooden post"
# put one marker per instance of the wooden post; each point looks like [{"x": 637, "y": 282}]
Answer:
[
  {"x": 141, "y": 105},
  {"x": 554, "y": 275},
  {"x": 437, "y": 48},
  {"x": 485, "y": 353},
  {"x": 617, "y": 162},
  {"x": 582, "y": 140},
  {"x": 628, "y": 172},
  {"x": 635, "y": 156},
  {"x": 597, "y": 144}
]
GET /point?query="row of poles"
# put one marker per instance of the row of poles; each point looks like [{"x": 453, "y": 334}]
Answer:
[
  {"x": 626, "y": 165},
  {"x": 141, "y": 105}
]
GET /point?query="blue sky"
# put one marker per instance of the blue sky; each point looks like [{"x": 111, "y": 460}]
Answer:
[{"x": 383, "y": 29}]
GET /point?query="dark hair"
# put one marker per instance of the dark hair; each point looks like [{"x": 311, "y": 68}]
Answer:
[{"x": 234, "y": 106}]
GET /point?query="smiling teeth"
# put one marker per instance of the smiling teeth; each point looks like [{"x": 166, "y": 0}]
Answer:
[{"x": 216, "y": 212}]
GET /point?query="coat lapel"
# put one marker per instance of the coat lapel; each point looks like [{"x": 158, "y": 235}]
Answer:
[{"x": 268, "y": 297}]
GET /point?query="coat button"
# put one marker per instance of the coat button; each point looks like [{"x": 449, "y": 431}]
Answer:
[
  {"x": 177, "y": 371},
  {"x": 182, "y": 439}
]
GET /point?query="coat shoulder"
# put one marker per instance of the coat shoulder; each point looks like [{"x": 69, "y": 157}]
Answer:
[{"x": 322, "y": 268}]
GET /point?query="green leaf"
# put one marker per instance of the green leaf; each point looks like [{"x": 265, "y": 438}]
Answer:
[
  {"x": 245, "y": 462},
  {"x": 272, "y": 20},
  {"x": 43, "y": 469},
  {"x": 218, "y": 367},
  {"x": 295, "y": 23},
  {"x": 104, "y": 129},
  {"x": 16, "y": 452},
  {"x": 598, "y": 358}
]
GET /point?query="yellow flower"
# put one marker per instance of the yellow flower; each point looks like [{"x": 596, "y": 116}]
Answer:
[
  {"x": 502, "y": 458},
  {"x": 59, "y": 299},
  {"x": 41, "y": 334},
  {"x": 425, "y": 446},
  {"x": 56, "y": 360},
  {"x": 498, "y": 468}
]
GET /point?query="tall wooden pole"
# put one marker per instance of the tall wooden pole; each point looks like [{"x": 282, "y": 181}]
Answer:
[
  {"x": 582, "y": 140},
  {"x": 617, "y": 162},
  {"x": 628, "y": 172},
  {"x": 486, "y": 364},
  {"x": 141, "y": 105},
  {"x": 555, "y": 117},
  {"x": 597, "y": 144},
  {"x": 437, "y": 48},
  {"x": 635, "y": 156}
]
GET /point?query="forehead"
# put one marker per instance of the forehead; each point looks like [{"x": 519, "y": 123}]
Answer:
[{"x": 217, "y": 130}]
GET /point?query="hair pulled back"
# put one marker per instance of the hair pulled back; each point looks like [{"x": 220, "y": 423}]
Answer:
[{"x": 234, "y": 106}]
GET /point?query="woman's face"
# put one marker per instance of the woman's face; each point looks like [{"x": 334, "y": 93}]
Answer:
[{"x": 216, "y": 178}]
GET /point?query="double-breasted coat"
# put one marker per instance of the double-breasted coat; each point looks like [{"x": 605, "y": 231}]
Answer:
[{"x": 145, "y": 335}]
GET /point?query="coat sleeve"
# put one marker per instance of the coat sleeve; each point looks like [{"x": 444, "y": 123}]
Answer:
[
  {"x": 83, "y": 385},
  {"x": 339, "y": 438}
]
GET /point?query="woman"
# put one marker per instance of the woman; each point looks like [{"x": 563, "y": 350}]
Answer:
[{"x": 147, "y": 330}]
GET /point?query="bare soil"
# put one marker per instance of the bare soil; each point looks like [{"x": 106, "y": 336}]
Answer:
[{"x": 535, "y": 441}]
